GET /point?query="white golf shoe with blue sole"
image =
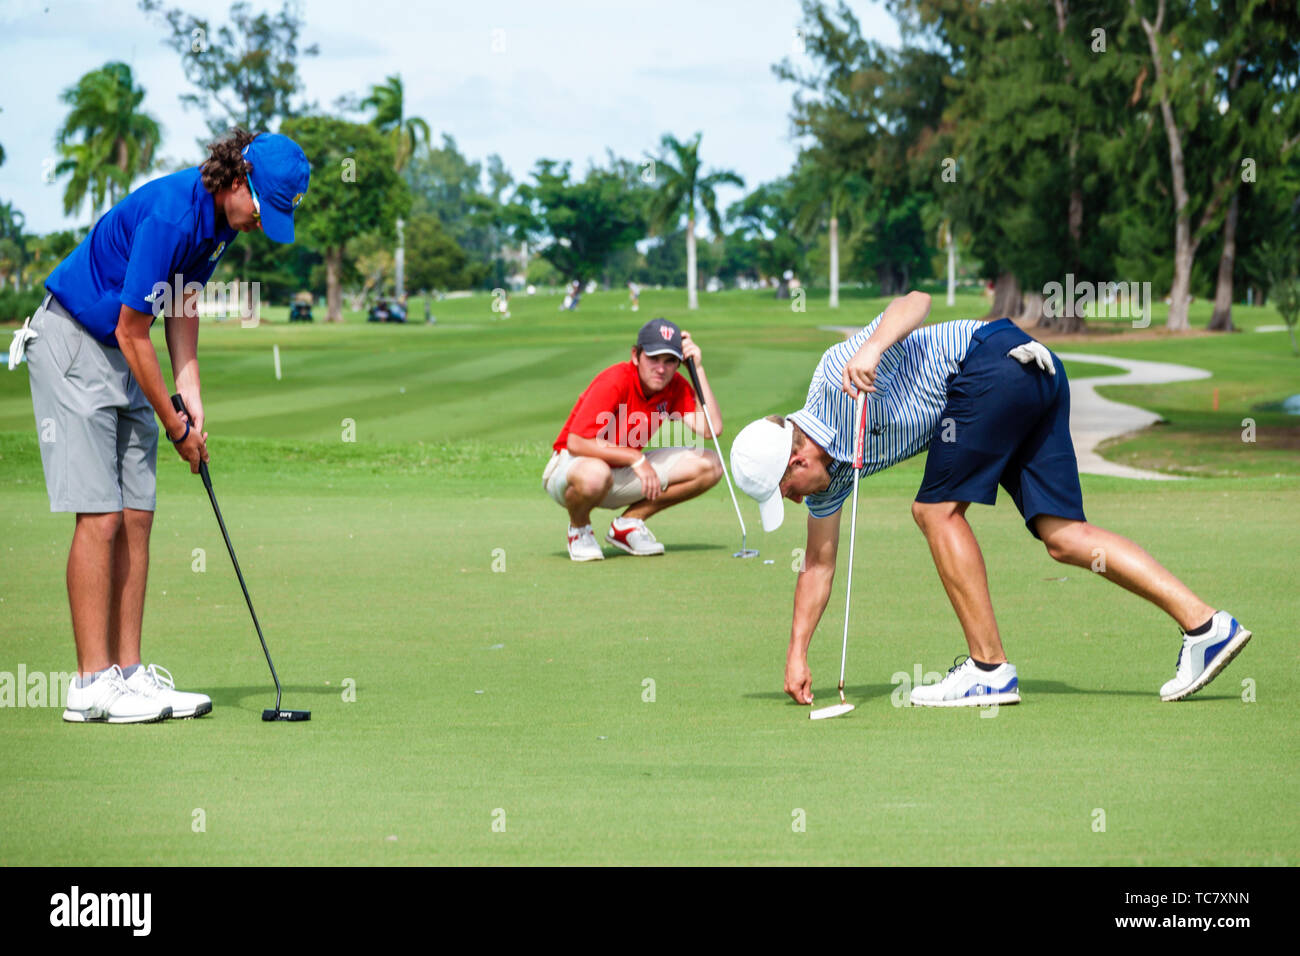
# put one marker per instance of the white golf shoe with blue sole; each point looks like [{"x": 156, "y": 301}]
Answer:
[
  {"x": 968, "y": 686},
  {"x": 1202, "y": 658}
]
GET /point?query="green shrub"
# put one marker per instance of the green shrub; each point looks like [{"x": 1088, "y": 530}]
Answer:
[{"x": 16, "y": 305}]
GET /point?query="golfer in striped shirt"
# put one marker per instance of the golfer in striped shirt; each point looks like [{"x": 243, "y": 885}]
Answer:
[{"x": 992, "y": 406}]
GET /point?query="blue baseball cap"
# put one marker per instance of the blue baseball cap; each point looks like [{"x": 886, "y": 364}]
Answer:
[{"x": 278, "y": 181}]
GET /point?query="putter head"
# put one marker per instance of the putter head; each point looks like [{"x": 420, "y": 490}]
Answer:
[
  {"x": 835, "y": 710},
  {"x": 269, "y": 715},
  {"x": 746, "y": 553}
]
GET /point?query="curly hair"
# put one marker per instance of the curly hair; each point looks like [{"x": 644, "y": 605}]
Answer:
[{"x": 225, "y": 162}]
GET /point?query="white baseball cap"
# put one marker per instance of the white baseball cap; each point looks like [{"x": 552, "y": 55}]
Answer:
[{"x": 759, "y": 457}]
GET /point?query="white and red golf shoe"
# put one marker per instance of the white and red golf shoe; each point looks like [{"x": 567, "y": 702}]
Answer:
[
  {"x": 583, "y": 545},
  {"x": 631, "y": 535}
]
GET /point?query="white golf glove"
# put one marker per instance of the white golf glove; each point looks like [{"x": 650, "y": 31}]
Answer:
[
  {"x": 18, "y": 346},
  {"x": 1034, "y": 352}
]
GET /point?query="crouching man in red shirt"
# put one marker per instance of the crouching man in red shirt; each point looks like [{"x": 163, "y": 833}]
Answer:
[{"x": 598, "y": 460}]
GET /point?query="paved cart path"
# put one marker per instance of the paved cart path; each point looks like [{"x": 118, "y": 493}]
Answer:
[{"x": 1094, "y": 419}]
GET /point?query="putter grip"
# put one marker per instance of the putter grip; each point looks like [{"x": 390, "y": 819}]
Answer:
[
  {"x": 860, "y": 431},
  {"x": 695, "y": 378},
  {"x": 178, "y": 403}
]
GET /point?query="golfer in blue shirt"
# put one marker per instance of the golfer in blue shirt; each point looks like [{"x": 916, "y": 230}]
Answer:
[
  {"x": 97, "y": 385},
  {"x": 992, "y": 406}
]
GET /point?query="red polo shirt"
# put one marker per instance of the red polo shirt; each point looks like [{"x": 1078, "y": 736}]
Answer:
[{"x": 614, "y": 408}]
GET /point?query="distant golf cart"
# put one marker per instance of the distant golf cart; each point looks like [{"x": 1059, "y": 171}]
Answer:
[
  {"x": 300, "y": 307},
  {"x": 385, "y": 311}
]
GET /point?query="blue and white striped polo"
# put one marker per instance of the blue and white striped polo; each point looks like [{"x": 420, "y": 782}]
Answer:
[{"x": 902, "y": 414}]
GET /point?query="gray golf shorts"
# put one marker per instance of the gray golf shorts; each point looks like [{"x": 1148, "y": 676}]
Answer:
[{"x": 98, "y": 435}]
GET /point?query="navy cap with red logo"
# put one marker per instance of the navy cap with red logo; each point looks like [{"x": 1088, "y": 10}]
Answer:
[{"x": 660, "y": 337}]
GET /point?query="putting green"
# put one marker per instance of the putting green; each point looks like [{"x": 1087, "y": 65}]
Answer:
[{"x": 477, "y": 698}]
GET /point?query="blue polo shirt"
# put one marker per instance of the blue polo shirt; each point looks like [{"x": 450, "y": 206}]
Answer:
[{"x": 164, "y": 228}]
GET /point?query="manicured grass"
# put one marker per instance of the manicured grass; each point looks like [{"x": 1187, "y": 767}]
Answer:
[
  {"x": 1089, "y": 370},
  {"x": 415, "y": 592}
]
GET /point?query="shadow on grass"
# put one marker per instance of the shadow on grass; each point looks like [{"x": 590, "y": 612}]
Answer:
[
  {"x": 1030, "y": 689},
  {"x": 1058, "y": 687},
  {"x": 613, "y": 552},
  {"x": 853, "y": 693},
  {"x": 264, "y": 695}
]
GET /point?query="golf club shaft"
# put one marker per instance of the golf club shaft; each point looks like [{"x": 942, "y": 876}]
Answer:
[
  {"x": 695, "y": 381},
  {"x": 859, "y": 440},
  {"x": 179, "y": 404},
  {"x": 207, "y": 483}
]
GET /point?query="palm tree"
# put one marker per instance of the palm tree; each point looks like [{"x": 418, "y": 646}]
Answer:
[
  {"x": 105, "y": 141},
  {"x": 13, "y": 244},
  {"x": 42, "y": 254},
  {"x": 681, "y": 189},
  {"x": 825, "y": 193},
  {"x": 387, "y": 100}
]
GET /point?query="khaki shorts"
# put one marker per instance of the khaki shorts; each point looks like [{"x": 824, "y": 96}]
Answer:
[
  {"x": 627, "y": 486},
  {"x": 98, "y": 435}
]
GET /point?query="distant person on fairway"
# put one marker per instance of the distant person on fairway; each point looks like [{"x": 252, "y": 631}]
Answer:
[
  {"x": 598, "y": 460},
  {"x": 993, "y": 407},
  {"x": 634, "y": 293},
  {"x": 96, "y": 386}
]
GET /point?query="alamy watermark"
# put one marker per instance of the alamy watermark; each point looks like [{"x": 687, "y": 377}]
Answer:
[
  {"x": 126, "y": 910},
  {"x": 231, "y": 299},
  {"x": 1098, "y": 300},
  {"x": 35, "y": 689},
  {"x": 659, "y": 429}
]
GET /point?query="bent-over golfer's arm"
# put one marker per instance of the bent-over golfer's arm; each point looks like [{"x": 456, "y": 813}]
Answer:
[
  {"x": 811, "y": 592},
  {"x": 132, "y": 334},
  {"x": 903, "y": 316}
]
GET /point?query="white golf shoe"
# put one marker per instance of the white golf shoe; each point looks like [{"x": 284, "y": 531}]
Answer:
[
  {"x": 156, "y": 683},
  {"x": 109, "y": 701},
  {"x": 631, "y": 535},
  {"x": 583, "y": 545},
  {"x": 968, "y": 686},
  {"x": 1201, "y": 658}
]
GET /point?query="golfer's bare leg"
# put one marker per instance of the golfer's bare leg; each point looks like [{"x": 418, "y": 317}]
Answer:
[
  {"x": 692, "y": 475},
  {"x": 960, "y": 564},
  {"x": 90, "y": 587},
  {"x": 588, "y": 482},
  {"x": 130, "y": 575},
  {"x": 1118, "y": 559}
]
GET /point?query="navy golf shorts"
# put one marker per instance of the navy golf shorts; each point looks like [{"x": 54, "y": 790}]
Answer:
[{"x": 1005, "y": 424}]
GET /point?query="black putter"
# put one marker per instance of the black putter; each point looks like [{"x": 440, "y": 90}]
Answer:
[
  {"x": 277, "y": 714},
  {"x": 744, "y": 552}
]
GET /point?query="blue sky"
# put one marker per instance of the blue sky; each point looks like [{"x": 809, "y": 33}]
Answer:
[{"x": 571, "y": 78}]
